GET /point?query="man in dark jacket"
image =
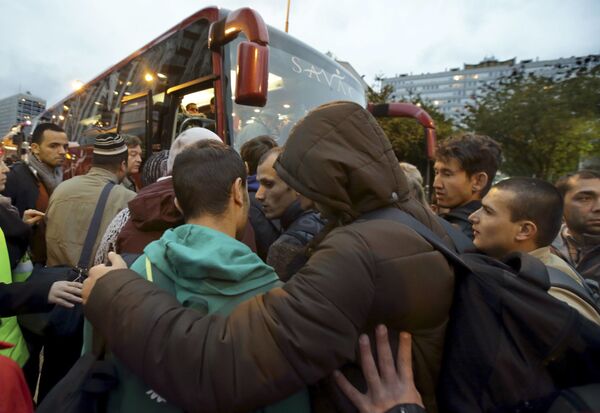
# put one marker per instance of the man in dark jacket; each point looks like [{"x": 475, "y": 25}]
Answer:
[
  {"x": 266, "y": 231},
  {"x": 578, "y": 242},
  {"x": 465, "y": 167},
  {"x": 29, "y": 185},
  {"x": 363, "y": 272},
  {"x": 299, "y": 224}
]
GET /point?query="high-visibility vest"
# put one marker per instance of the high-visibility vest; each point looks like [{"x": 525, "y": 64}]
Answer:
[{"x": 9, "y": 328}]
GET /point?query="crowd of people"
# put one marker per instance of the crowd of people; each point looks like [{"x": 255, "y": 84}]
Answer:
[{"x": 255, "y": 281}]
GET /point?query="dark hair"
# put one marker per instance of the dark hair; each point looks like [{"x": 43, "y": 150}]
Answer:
[
  {"x": 254, "y": 149},
  {"x": 277, "y": 150},
  {"x": 132, "y": 141},
  {"x": 563, "y": 184},
  {"x": 110, "y": 162},
  {"x": 476, "y": 153},
  {"x": 202, "y": 177},
  {"x": 537, "y": 201},
  {"x": 187, "y": 107},
  {"x": 38, "y": 133}
]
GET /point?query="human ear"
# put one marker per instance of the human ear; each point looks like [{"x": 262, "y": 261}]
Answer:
[
  {"x": 237, "y": 191},
  {"x": 479, "y": 181},
  {"x": 527, "y": 231},
  {"x": 176, "y": 202}
]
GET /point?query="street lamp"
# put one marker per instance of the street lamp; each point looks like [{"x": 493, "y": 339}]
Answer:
[{"x": 76, "y": 85}]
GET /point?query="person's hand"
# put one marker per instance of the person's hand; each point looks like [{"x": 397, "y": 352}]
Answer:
[
  {"x": 32, "y": 216},
  {"x": 392, "y": 385},
  {"x": 99, "y": 271},
  {"x": 65, "y": 293}
]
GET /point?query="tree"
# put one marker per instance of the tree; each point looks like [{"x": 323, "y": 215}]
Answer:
[
  {"x": 544, "y": 125},
  {"x": 407, "y": 135}
]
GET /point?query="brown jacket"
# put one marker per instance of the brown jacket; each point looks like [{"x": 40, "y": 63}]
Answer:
[
  {"x": 362, "y": 274},
  {"x": 70, "y": 213}
]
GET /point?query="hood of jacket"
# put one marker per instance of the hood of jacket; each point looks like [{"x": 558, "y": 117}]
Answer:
[
  {"x": 339, "y": 156},
  {"x": 153, "y": 209},
  {"x": 207, "y": 261}
]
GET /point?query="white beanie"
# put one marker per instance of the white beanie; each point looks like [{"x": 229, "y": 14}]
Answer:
[{"x": 185, "y": 138}]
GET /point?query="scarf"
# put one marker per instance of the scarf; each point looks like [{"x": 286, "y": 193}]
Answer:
[{"x": 50, "y": 177}]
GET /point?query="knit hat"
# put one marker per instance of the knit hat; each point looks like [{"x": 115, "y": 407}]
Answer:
[
  {"x": 108, "y": 144},
  {"x": 155, "y": 167},
  {"x": 185, "y": 138}
]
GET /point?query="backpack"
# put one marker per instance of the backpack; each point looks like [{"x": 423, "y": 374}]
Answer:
[{"x": 510, "y": 346}]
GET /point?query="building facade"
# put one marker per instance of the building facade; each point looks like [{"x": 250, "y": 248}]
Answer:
[
  {"x": 19, "y": 108},
  {"x": 455, "y": 88}
]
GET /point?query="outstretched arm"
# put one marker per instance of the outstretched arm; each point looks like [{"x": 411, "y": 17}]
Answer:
[
  {"x": 24, "y": 297},
  {"x": 268, "y": 348}
]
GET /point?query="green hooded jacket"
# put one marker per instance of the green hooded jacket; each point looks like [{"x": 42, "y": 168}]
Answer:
[{"x": 211, "y": 272}]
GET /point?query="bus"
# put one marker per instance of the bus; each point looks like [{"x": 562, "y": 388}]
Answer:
[
  {"x": 223, "y": 70},
  {"x": 146, "y": 93}
]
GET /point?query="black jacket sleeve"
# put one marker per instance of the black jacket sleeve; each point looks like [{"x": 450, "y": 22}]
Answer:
[
  {"x": 406, "y": 408},
  {"x": 16, "y": 233},
  {"x": 21, "y": 187},
  {"x": 24, "y": 297}
]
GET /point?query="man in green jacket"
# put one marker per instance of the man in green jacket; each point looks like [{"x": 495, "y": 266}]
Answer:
[{"x": 203, "y": 263}]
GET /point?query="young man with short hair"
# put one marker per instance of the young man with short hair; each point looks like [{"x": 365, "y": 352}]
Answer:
[
  {"x": 299, "y": 223},
  {"x": 134, "y": 160},
  {"x": 202, "y": 262},
  {"x": 465, "y": 167},
  {"x": 524, "y": 215},
  {"x": 579, "y": 240},
  {"x": 30, "y": 184},
  {"x": 266, "y": 231}
]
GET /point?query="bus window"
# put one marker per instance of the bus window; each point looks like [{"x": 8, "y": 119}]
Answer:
[
  {"x": 135, "y": 119},
  {"x": 195, "y": 109},
  {"x": 300, "y": 79}
]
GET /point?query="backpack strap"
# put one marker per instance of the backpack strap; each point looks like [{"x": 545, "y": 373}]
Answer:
[
  {"x": 90, "y": 239},
  {"x": 562, "y": 280},
  {"x": 461, "y": 242},
  {"x": 395, "y": 214}
]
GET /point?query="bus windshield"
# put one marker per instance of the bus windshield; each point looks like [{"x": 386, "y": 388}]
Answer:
[{"x": 300, "y": 79}]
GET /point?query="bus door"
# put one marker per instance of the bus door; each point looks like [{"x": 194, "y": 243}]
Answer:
[
  {"x": 193, "y": 104},
  {"x": 136, "y": 118}
]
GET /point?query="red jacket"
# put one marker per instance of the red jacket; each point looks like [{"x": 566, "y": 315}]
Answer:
[
  {"x": 14, "y": 393},
  {"x": 152, "y": 213}
]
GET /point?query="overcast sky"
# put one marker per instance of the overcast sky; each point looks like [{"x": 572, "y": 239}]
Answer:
[{"x": 45, "y": 45}]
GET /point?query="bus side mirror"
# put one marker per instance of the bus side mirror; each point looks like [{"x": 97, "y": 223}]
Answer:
[{"x": 252, "y": 77}]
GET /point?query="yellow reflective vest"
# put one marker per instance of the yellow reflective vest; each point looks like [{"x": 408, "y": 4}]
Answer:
[{"x": 9, "y": 328}]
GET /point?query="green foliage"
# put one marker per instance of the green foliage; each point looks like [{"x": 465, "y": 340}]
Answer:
[
  {"x": 544, "y": 125},
  {"x": 407, "y": 135}
]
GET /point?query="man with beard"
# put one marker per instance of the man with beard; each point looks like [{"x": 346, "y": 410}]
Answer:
[
  {"x": 579, "y": 240},
  {"x": 30, "y": 185}
]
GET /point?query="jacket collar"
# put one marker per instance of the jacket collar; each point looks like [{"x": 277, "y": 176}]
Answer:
[
  {"x": 103, "y": 174},
  {"x": 252, "y": 183},
  {"x": 291, "y": 214}
]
